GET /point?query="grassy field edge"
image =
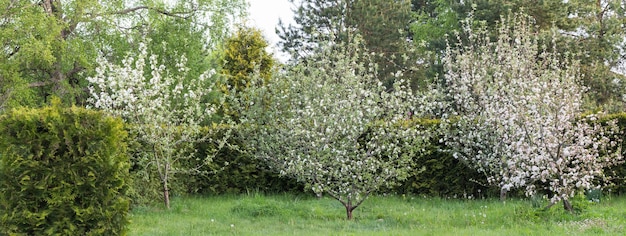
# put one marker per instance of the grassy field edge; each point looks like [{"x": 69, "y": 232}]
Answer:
[{"x": 258, "y": 214}]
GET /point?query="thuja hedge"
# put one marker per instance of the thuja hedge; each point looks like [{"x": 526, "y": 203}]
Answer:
[
  {"x": 616, "y": 175},
  {"x": 63, "y": 171},
  {"x": 435, "y": 173},
  {"x": 438, "y": 173},
  {"x": 234, "y": 170}
]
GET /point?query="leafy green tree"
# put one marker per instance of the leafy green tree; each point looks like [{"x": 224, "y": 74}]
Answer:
[
  {"x": 333, "y": 126},
  {"x": 243, "y": 55},
  {"x": 50, "y": 46}
]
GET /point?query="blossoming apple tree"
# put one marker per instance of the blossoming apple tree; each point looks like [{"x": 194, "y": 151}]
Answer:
[
  {"x": 333, "y": 126},
  {"x": 516, "y": 113},
  {"x": 164, "y": 109}
]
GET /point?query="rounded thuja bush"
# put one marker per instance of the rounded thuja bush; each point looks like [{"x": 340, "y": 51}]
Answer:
[{"x": 63, "y": 171}]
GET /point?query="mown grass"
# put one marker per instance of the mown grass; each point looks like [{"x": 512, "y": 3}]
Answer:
[{"x": 257, "y": 214}]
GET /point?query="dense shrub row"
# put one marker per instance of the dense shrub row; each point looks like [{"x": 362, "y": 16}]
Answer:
[
  {"x": 616, "y": 175},
  {"x": 234, "y": 171},
  {"x": 436, "y": 173},
  {"x": 63, "y": 171}
]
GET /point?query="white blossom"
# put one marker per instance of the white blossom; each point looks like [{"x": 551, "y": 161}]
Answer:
[
  {"x": 332, "y": 125},
  {"x": 516, "y": 113},
  {"x": 165, "y": 109}
]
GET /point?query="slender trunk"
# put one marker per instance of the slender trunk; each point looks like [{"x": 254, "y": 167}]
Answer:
[
  {"x": 568, "y": 206},
  {"x": 166, "y": 190},
  {"x": 550, "y": 205},
  {"x": 349, "y": 212},
  {"x": 166, "y": 194},
  {"x": 502, "y": 194}
]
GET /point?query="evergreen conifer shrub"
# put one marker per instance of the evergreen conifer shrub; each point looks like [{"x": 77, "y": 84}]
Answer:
[{"x": 63, "y": 171}]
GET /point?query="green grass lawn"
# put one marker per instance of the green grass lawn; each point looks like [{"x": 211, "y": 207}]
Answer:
[{"x": 256, "y": 214}]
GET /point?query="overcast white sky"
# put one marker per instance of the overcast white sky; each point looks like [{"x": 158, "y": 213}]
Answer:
[{"x": 264, "y": 14}]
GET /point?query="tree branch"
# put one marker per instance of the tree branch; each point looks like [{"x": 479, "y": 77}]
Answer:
[
  {"x": 39, "y": 84},
  {"x": 77, "y": 68},
  {"x": 161, "y": 11}
]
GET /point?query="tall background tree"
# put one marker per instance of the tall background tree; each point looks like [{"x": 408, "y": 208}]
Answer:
[
  {"x": 50, "y": 46},
  {"x": 382, "y": 24},
  {"x": 243, "y": 54},
  {"x": 593, "y": 31}
]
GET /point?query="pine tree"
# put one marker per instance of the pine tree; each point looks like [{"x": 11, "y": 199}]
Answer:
[{"x": 382, "y": 24}]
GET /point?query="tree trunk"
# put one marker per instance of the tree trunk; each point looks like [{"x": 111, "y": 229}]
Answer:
[
  {"x": 349, "y": 212},
  {"x": 502, "y": 194},
  {"x": 549, "y": 205},
  {"x": 568, "y": 206},
  {"x": 166, "y": 195}
]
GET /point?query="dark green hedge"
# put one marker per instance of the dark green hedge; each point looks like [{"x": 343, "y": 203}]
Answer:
[
  {"x": 233, "y": 170},
  {"x": 435, "y": 173},
  {"x": 439, "y": 174},
  {"x": 63, "y": 171},
  {"x": 616, "y": 175}
]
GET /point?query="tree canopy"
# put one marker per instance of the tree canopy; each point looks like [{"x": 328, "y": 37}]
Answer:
[
  {"x": 515, "y": 113},
  {"x": 383, "y": 25},
  {"x": 592, "y": 31},
  {"x": 50, "y": 46},
  {"x": 333, "y": 126}
]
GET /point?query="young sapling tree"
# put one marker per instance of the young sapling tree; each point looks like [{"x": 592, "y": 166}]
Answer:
[{"x": 163, "y": 108}]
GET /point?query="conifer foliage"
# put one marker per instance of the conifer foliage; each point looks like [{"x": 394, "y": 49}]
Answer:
[{"x": 63, "y": 171}]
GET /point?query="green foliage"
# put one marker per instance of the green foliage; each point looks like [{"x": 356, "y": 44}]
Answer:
[
  {"x": 382, "y": 24},
  {"x": 232, "y": 171},
  {"x": 590, "y": 31},
  {"x": 146, "y": 188},
  {"x": 243, "y": 54},
  {"x": 439, "y": 174},
  {"x": 49, "y": 46},
  {"x": 257, "y": 214},
  {"x": 63, "y": 171},
  {"x": 436, "y": 173},
  {"x": 615, "y": 178},
  {"x": 242, "y": 57}
]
